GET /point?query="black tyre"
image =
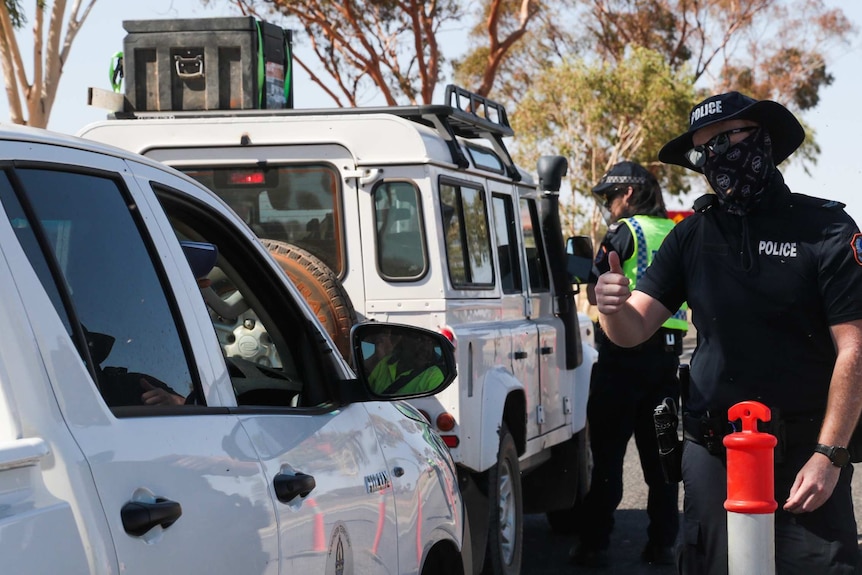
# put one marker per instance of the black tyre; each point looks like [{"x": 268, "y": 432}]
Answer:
[
  {"x": 565, "y": 521},
  {"x": 321, "y": 289},
  {"x": 506, "y": 524}
]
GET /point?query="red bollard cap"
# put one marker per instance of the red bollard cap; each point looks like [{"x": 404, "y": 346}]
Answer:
[{"x": 750, "y": 454}]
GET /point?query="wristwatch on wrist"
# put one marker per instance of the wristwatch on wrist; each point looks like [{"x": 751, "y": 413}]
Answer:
[{"x": 839, "y": 456}]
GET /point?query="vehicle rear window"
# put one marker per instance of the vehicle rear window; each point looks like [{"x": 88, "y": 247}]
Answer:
[{"x": 296, "y": 204}]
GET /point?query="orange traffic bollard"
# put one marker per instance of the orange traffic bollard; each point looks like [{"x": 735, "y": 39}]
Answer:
[{"x": 750, "y": 499}]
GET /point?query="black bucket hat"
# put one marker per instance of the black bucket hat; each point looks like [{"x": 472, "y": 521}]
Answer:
[
  {"x": 783, "y": 127},
  {"x": 621, "y": 174}
]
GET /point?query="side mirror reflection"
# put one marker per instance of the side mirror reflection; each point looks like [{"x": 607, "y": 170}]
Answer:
[
  {"x": 579, "y": 258},
  {"x": 401, "y": 361}
]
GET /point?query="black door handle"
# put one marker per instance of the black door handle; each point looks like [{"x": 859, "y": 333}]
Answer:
[
  {"x": 520, "y": 355},
  {"x": 547, "y": 350},
  {"x": 289, "y": 485},
  {"x": 140, "y": 516}
]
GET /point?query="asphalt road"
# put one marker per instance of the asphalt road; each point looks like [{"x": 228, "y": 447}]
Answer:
[{"x": 546, "y": 553}]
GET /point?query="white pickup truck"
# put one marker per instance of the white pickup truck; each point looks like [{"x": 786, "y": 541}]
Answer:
[
  {"x": 417, "y": 214},
  {"x": 170, "y": 404}
]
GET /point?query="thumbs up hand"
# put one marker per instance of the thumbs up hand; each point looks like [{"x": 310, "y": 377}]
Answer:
[{"x": 612, "y": 288}]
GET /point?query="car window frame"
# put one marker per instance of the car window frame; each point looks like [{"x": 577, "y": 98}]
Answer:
[
  {"x": 149, "y": 237},
  {"x": 270, "y": 278}
]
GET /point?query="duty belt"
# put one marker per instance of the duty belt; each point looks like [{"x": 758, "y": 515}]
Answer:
[
  {"x": 709, "y": 430},
  {"x": 669, "y": 340}
]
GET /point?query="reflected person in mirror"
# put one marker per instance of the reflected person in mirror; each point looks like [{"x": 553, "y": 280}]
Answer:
[{"x": 410, "y": 368}]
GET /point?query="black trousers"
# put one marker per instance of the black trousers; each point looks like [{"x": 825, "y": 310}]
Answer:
[
  {"x": 624, "y": 391},
  {"x": 820, "y": 542}
]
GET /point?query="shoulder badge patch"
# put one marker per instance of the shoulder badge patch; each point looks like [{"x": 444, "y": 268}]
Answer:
[
  {"x": 832, "y": 204},
  {"x": 856, "y": 244}
]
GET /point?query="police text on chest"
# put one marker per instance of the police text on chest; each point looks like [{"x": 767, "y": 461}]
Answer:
[{"x": 782, "y": 249}]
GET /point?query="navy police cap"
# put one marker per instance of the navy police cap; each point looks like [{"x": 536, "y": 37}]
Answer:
[
  {"x": 623, "y": 174},
  {"x": 783, "y": 127}
]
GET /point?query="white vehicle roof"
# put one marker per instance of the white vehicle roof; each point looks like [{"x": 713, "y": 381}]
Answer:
[
  {"x": 375, "y": 136},
  {"x": 18, "y": 133}
]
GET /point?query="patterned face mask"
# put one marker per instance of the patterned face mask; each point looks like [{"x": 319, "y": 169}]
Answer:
[{"x": 740, "y": 175}]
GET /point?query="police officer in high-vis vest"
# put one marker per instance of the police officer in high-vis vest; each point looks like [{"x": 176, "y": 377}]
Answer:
[{"x": 628, "y": 383}]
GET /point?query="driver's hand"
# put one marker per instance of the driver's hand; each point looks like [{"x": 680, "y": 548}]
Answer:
[{"x": 157, "y": 396}]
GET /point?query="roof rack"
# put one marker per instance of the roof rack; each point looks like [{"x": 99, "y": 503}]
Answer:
[
  {"x": 465, "y": 115},
  {"x": 470, "y": 115}
]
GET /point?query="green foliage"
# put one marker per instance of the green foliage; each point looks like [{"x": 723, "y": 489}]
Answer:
[
  {"x": 16, "y": 13},
  {"x": 364, "y": 46},
  {"x": 596, "y": 80},
  {"x": 596, "y": 114}
]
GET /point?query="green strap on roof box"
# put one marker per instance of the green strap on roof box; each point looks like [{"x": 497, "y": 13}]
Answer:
[{"x": 206, "y": 64}]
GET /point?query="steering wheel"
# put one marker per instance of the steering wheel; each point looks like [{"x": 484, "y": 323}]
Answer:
[{"x": 255, "y": 384}]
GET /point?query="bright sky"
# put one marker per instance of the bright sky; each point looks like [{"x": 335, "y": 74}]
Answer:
[{"x": 837, "y": 176}]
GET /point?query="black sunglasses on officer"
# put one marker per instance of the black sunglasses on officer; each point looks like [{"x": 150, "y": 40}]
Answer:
[{"x": 718, "y": 145}]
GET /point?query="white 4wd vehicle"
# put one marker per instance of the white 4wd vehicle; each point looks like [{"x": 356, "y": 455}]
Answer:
[
  {"x": 418, "y": 215},
  {"x": 142, "y": 431}
]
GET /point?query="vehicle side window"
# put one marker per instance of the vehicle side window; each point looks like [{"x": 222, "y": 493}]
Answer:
[
  {"x": 537, "y": 267},
  {"x": 507, "y": 244},
  {"x": 485, "y": 159},
  {"x": 400, "y": 241},
  {"x": 297, "y": 204},
  {"x": 272, "y": 353},
  {"x": 80, "y": 234},
  {"x": 468, "y": 239}
]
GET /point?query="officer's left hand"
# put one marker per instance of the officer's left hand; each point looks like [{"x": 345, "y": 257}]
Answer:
[{"x": 813, "y": 486}]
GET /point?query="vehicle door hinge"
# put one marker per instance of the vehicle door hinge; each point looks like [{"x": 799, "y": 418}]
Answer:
[
  {"x": 366, "y": 176},
  {"x": 567, "y": 405},
  {"x": 540, "y": 415}
]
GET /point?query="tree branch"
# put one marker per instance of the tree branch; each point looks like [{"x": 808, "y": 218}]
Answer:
[{"x": 8, "y": 47}]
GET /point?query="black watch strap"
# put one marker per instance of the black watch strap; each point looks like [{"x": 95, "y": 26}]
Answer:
[{"x": 838, "y": 455}]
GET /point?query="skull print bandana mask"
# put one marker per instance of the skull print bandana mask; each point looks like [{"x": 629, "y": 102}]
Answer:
[{"x": 740, "y": 175}]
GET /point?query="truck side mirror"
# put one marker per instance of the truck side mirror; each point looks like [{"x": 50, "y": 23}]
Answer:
[{"x": 579, "y": 258}]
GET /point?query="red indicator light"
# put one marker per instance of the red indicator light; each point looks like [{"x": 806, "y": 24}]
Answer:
[
  {"x": 451, "y": 441},
  {"x": 445, "y": 422},
  {"x": 247, "y": 178},
  {"x": 449, "y": 334}
]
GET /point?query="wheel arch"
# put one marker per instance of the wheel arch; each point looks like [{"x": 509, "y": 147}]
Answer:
[
  {"x": 443, "y": 557},
  {"x": 514, "y": 414},
  {"x": 503, "y": 401}
]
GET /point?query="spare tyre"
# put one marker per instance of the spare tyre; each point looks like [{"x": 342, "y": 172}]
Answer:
[{"x": 321, "y": 289}]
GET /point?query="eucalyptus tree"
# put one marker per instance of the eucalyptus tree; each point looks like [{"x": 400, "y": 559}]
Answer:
[{"x": 31, "y": 95}]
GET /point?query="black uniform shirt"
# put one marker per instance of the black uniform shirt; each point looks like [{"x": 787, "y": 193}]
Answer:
[
  {"x": 763, "y": 290},
  {"x": 618, "y": 239}
]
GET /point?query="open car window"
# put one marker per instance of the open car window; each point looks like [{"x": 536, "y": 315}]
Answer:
[{"x": 274, "y": 355}]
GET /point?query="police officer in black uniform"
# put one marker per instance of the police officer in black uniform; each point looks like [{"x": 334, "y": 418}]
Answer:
[
  {"x": 774, "y": 282},
  {"x": 627, "y": 384}
]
